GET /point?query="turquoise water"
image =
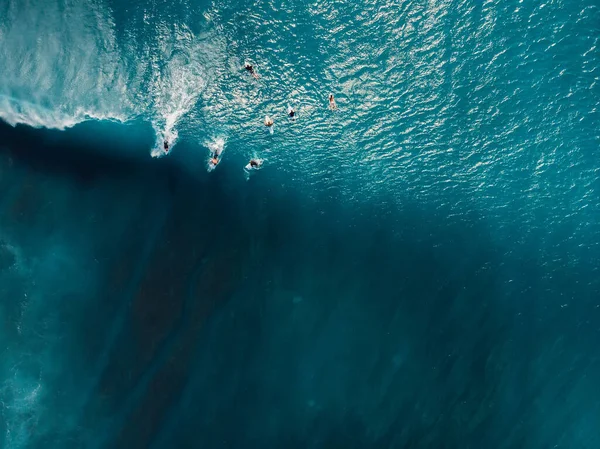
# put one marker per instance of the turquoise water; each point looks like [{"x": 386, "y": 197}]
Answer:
[{"x": 417, "y": 269}]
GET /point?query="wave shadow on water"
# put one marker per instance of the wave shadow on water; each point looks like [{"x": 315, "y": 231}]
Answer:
[{"x": 170, "y": 309}]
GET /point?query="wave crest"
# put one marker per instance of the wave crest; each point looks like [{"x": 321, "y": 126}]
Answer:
[{"x": 67, "y": 70}]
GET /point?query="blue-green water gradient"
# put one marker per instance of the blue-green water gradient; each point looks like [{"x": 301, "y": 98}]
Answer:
[{"x": 416, "y": 269}]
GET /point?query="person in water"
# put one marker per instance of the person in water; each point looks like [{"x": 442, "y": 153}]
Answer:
[
  {"x": 268, "y": 121},
  {"x": 292, "y": 113},
  {"x": 214, "y": 158},
  {"x": 255, "y": 163},
  {"x": 250, "y": 69},
  {"x": 332, "y": 104}
]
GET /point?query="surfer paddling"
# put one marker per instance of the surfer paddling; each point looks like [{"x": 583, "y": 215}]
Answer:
[
  {"x": 291, "y": 113},
  {"x": 332, "y": 104},
  {"x": 250, "y": 69},
  {"x": 215, "y": 157},
  {"x": 254, "y": 164}
]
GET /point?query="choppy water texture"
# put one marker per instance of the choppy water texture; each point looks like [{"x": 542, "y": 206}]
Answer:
[{"x": 417, "y": 269}]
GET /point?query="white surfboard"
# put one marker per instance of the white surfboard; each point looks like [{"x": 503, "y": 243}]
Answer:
[{"x": 249, "y": 167}]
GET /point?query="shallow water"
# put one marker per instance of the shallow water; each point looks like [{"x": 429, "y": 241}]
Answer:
[{"x": 418, "y": 269}]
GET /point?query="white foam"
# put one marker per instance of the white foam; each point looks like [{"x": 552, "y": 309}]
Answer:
[
  {"x": 72, "y": 69},
  {"x": 182, "y": 69},
  {"x": 49, "y": 81},
  {"x": 78, "y": 71},
  {"x": 170, "y": 135},
  {"x": 216, "y": 145},
  {"x": 21, "y": 411}
]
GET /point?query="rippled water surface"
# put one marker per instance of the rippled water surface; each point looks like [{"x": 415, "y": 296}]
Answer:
[{"x": 417, "y": 269}]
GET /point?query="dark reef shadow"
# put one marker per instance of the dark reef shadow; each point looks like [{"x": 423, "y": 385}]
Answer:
[{"x": 230, "y": 314}]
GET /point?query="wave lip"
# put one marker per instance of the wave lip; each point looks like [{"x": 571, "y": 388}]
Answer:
[
  {"x": 61, "y": 65},
  {"x": 16, "y": 112},
  {"x": 76, "y": 66}
]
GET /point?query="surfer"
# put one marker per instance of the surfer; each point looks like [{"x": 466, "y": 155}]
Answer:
[
  {"x": 268, "y": 121},
  {"x": 215, "y": 157},
  {"x": 291, "y": 113},
  {"x": 250, "y": 69},
  {"x": 166, "y": 145},
  {"x": 332, "y": 104},
  {"x": 254, "y": 164}
]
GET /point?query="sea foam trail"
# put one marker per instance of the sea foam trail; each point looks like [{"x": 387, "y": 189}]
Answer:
[{"x": 183, "y": 64}]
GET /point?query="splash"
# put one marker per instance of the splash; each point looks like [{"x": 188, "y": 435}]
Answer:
[
  {"x": 182, "y": 67},
  {"x": 49, "y": 82}
]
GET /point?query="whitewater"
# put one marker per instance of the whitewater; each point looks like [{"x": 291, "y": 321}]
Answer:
[
  {"x": 418, "y": 268},
  {"x": 420, "y": 85}
]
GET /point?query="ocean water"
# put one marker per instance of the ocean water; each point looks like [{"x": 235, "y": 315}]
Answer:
[{"x": 419, "y": 268}]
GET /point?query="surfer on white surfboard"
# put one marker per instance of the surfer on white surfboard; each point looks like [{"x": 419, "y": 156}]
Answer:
[{"x": 254, "y": 164}]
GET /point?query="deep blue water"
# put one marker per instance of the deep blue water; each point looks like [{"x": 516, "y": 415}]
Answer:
[{"x": 418, "y": 269}]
